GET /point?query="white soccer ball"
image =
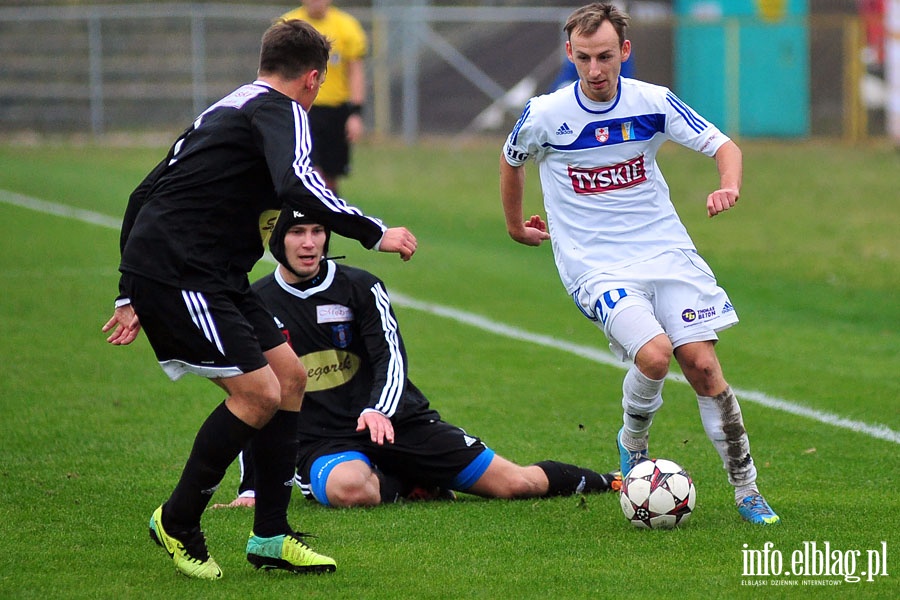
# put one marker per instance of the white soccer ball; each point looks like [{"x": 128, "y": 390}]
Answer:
[{"x": 657, "y": 494}]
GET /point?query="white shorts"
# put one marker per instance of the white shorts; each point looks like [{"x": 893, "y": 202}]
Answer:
[{"x": 677, "y": 293}]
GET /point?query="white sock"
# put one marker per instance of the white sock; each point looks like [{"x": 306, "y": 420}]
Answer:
[
  {"x": 742, "y": 491},
  {"x": 635, "y": 444},
  {"x": 641, "y": 398},
  {"x": 724, "y": 426}
]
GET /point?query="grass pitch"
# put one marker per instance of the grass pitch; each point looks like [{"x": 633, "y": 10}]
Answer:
[{"x": 94, "y": 437}]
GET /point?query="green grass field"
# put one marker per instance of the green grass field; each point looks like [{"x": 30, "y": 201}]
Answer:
[{"x": 94, "y": 437}]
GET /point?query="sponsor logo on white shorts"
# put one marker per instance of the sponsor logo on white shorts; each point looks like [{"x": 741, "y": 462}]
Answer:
[{"x": 689, "y": 315}]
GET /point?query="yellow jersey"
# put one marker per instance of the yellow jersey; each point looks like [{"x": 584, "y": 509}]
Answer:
[{"x": 348, "y": 42}]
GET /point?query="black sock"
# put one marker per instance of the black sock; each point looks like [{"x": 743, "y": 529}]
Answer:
[
  {"x": 216, "y": 445},
  {"x": 274, "y": 458},
  {"x": 566, "y": 479},
  {"x": 392, "y": 488}
]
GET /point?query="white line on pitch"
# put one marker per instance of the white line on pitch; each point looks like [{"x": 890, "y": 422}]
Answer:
[{"x": 878, "y": 431}]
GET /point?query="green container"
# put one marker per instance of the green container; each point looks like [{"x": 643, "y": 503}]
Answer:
[{"x": 744, "y": 64}]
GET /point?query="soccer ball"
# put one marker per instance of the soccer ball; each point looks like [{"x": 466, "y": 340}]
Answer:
[{"x": 657, "y": 494}]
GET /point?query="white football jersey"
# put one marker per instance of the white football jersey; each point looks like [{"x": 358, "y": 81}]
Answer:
[{"x": 606, "y": 200}]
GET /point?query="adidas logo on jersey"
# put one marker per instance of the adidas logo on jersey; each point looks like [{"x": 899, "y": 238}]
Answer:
[
  {"x": 564, "y": 129},
  {"x": 727, "y": 308}
]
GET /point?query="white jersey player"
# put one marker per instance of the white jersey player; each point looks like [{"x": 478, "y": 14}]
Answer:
[{"x": 620, "y": 248}]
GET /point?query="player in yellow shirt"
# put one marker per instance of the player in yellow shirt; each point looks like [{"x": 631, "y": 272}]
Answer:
[{"x": 336, "y": 117}]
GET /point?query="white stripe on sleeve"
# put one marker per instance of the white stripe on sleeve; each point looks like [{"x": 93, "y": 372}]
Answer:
[{"x": 393, "y": 389}]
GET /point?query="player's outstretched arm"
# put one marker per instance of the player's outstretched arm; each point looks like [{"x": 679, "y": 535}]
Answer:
[
  {"x": 399, "y": 240},
  {"x": 125, "y": 326},
  {"x": 730, "y": 164},
  {"x": 512, "y": 190}
]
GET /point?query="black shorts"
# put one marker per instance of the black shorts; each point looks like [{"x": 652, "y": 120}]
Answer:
[
  {"x": 210, "y": 334},
  {"x": 425, "y": 452},
  {"x": 330, "y": 148}
]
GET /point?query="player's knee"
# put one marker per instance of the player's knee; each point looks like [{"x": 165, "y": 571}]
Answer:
[
  {"x": 353, "y": 488},
  {"x": 349, "y": 497},
  {"x": 654, "y": 357},
  {"x": 703, "y": 371},
  {"x": 294, "y": 384},
  {"x": 263, "y": 400},
  {"x": 704, "y": 368}
]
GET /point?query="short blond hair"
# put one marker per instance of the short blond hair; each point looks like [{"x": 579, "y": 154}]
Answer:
[{"x": 588, "y": 19}]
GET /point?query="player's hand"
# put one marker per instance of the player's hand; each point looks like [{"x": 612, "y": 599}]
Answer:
[
  {"x": 400, "y": 240},
  {"x": 126, "y": 324},
  {"x": 239, "y": 502},
  {"x": 721, "y": 200},
  {"x": 380, "y": 427},
  {"x": 354, "y": 128},
  {"x": 533, "y": 232}
]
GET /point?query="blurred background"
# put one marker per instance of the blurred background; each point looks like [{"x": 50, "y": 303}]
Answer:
[{"x": 757, "y": 68}]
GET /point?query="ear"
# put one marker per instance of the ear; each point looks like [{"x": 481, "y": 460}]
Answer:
[
  {"x": 626, "y": 50},
  {"x": 569, "y": 51},
  {"x": 311, "y": 79}
]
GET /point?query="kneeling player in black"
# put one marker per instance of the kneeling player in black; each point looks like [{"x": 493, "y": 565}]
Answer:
[{"x": 367, "y": 434}]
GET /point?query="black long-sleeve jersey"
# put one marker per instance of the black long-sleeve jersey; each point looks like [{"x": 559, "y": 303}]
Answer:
[
  {"x": 342, "y": 326},
  {"x": 199, "y": 220}
]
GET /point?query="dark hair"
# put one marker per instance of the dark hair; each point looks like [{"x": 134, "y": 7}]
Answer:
[
  {"x": 291, "y": 48},
  {"x": 588, "y": 19}
]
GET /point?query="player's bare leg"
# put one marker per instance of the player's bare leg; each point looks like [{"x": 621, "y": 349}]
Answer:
[
  {"x": 506, "y": 479},
  {"x": 724, "y": 426},
  {"x": 353, "y": 483},
  {"x": 641, "y": 399}
]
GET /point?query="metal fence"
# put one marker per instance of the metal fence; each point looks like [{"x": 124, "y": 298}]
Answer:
[{"x": 433, "y": 70}]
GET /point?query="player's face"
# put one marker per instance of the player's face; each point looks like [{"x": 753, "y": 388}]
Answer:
[
  {"x": 304, "y": 246},
  {"x": 316, "y": 8},
  {"x": 598, "y": 59}
]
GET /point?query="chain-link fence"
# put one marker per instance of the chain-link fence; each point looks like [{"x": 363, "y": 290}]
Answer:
[{"x": 432, "y": 70}]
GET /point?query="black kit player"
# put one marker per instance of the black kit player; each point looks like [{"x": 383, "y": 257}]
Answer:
[
  {"x": 192, "y": 231},
  {"x": 367, "y": 433}
]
